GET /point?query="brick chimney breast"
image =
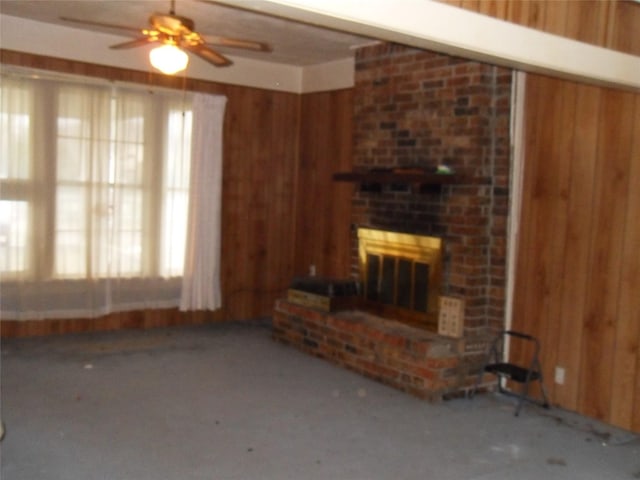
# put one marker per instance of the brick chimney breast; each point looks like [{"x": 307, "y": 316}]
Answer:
[{"x": 415, "y": 108}]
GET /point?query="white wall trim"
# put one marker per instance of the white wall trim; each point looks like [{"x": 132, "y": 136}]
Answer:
[{"x": 518, "y": 90}]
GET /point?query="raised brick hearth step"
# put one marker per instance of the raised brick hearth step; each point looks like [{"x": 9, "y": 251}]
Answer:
[{"x": 408, "y": 358}]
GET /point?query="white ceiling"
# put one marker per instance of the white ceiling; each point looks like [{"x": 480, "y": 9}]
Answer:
[
  {"x": 293, "y": 43},
  {"x": 308, "y": 58}
]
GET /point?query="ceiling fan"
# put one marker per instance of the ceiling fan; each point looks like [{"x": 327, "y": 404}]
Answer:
[{"x": 175, "y": 34}]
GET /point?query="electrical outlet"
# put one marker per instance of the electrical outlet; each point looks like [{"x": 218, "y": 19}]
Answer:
[
  {"x": 312, "y": 270},
  {"x": 559, "y": 376}
]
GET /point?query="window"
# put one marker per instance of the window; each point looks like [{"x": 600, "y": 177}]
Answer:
[
  {"x": 15, "y": 172},
  {"x": 94, "y": 182},
  {"x": 94, "y": 198}
]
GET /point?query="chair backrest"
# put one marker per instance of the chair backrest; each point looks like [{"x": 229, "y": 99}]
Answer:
[{"x": 529, "y": 344}]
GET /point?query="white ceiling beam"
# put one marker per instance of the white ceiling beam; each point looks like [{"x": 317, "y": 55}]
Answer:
[{"x": 440, "y": 27}]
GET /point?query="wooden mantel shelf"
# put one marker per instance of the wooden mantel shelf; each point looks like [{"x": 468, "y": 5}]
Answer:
[{"x": 389, "y": 177}]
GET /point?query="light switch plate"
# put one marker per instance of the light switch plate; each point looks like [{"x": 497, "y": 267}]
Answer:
[{"x": 451, "y": 317}]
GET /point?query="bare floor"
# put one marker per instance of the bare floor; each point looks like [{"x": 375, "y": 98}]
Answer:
[{"x": 225, "y": 402}]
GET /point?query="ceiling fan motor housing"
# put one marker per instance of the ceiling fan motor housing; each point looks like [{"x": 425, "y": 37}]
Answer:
[{"x": 173, "y": 25}]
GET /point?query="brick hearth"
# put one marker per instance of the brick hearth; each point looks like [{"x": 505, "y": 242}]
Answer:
[{"x": 411, "y": 359}]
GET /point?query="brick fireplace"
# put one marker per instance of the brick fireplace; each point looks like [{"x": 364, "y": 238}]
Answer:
[{"x": 416, "y": 110}]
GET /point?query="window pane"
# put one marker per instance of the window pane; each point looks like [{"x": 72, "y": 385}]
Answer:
[
  {"x": 73, "y": 159},
  {"x": 127, "y": 254},
  {"x": 83, "y": 134},
  {"x": 174, "y": 233},
  {"x": 70, "y": 232},
  {"x": 128, "y": 164},
  {"x": 129, "y": 111},
  {"x": 175, "y": 206},
  {"x": 16, "y": 104},
  {"x": 128, "y": 232},
  {"x": 14, "y": 222},
  {"x": 178, "y": 149},
  {"x": 83, "y": 112}
]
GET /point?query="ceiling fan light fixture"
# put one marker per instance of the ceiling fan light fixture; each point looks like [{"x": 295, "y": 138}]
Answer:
[{"x": 169, "y": 59}]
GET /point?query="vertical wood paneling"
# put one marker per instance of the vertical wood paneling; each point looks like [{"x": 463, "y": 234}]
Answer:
[
  {"x": 589, "y": 24},
  {"x": 140, "y": 319},
  {"x": 526, "y": 12},
  {"x": 547, "y": 216},
  {"x": 631, "y": 274},
  {"x": 606, "y": 23},
  {"x": 610, "y": 196},
  {"x": 578, "y": 229},
  {"x": 555, "y": 215},
  {"x": 623, "y": 28},
  {"x": 323, "y": 214},
  {"x": 493, "y": 8},
  {"x": 578, "y": 267},
  {"x": 555, "y": 17},
  {"x": 281, "y": 187},
  {"x": 625, "y": 395},
  {"x": 260, "y": 160},
  {"x": 538, "y": 228}
]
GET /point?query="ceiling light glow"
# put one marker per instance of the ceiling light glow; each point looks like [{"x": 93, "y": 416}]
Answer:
[{"x": 169, "y": 59}]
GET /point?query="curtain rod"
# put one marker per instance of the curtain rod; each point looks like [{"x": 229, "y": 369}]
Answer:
[{"x": 16, "y": 71}]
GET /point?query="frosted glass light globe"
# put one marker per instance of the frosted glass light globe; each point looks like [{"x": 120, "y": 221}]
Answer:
[{"x": 169, "y": 59}]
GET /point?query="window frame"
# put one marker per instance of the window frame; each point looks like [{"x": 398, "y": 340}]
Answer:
[{"x": 42, "y": 204}]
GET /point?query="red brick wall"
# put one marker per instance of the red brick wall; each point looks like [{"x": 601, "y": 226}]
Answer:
[{"x": 418, "y": 108}]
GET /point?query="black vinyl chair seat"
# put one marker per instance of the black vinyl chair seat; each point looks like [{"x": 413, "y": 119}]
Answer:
[
  {"x": 512, "y": 372},
  {"x": 523, "y": 374}
]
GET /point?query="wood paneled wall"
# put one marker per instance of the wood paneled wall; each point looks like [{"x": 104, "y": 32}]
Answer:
[
  {"x": 606, "y": 23},
  {"x": 280, "y": 206},
  {"x": 141, "y": 319},
  {"x": 323, "y": 207},
  {"x": 258, "y": 230},
  {"x": 578, "y": 268}
]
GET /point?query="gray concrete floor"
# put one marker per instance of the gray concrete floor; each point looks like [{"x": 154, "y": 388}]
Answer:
[{"x": 226, "y": 402}]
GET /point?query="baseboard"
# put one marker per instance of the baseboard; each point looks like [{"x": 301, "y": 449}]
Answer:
[{"x": 139, "y": 319}]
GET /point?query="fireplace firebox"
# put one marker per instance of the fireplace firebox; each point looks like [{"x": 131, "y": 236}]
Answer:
[{"x": 401, "y": 275}]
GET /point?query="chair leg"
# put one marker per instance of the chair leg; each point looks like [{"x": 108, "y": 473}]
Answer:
[
  {"x": 518, "y": 407},
  {"x": 474, "y": 390},
  {"x": 545, "y": 400},
  {"x": 523, "y": 395}
]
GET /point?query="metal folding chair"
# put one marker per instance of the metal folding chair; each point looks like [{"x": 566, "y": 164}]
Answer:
[{"x": 523, "y": 374}]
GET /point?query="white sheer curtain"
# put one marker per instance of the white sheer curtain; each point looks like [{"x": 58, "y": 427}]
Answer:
[
  {"x": 201, "y": 277},
  {"x": 94, "y": 198}
]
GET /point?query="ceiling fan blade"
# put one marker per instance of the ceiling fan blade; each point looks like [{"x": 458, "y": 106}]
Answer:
[
  {"x": 138, "y": 42},
  {"x": 100, "y": 24},
  {"x": 208, "y": 54},
  {"x": 236, "y": 43}
]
